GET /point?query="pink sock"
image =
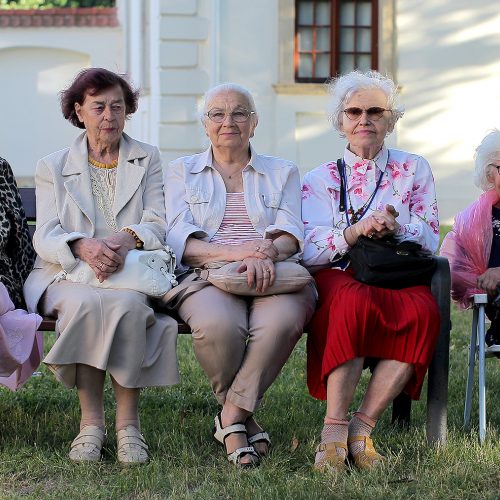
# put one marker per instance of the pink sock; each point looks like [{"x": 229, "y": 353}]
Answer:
[{"x": 360, "y": 425}]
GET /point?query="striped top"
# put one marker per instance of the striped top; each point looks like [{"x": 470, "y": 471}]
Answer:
[{"x": 235, "y": 227}]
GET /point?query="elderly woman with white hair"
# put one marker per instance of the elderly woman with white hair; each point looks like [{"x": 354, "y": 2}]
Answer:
[
  {"x": 473, "y": 244},
  {"x": 387, "y": 192},
  {"x": 231, "y": 204}
]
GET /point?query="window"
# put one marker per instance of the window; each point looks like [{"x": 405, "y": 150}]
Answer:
[{"x": 334, "y": 37}]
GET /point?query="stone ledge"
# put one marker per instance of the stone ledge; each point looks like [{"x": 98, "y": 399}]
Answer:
[{"x": 59, "y": 18}]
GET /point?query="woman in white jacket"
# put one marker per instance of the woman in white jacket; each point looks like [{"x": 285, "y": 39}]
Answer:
[
  {"x": 96, "y": 201},
  {"x": 231, "y": 204}
]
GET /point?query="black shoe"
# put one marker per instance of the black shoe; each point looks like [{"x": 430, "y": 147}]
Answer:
[{"x": 493, "y": 334}]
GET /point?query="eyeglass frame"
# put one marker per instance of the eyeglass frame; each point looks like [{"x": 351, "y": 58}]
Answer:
[
  {"x": 248, "y": 115},
  {"x": 372, "y": 115}
]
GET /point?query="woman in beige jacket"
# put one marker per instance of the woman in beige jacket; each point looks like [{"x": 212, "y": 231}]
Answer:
[{"x": 96, "y": 201}]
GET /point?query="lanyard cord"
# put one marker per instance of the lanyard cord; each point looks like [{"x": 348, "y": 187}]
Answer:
[{"x": 343, "y": 191}]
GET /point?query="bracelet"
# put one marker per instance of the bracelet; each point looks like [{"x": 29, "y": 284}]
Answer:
[{"x": 138, "y": 242}]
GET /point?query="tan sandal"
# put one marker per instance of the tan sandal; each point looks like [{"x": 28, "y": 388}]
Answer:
[
  {"x": 131, "y": 446},
  {"x": 369, "y": 457},
  {"x": 87, "y": 446},
  {"x": 331, "y": 459}
]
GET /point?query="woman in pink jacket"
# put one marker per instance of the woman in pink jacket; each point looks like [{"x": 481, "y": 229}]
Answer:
[{"x": 473, "y": 244}]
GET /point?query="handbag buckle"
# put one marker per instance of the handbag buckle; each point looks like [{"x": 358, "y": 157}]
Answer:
[{"x": 402, "y": 252}]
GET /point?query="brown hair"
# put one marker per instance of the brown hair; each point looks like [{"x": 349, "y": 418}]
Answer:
[{"x": 92, "y": 81}]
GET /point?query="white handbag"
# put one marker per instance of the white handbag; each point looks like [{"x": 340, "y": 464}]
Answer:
[{"x": 147, "y": 271}]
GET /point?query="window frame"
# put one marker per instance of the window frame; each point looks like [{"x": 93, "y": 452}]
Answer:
[{"x": 335, "y": 29}]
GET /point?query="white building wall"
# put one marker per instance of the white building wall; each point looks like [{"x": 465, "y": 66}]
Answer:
[
  {"x": 443, "y": 55},
  {"x": 36, "y": 64},
  {"x": 449, "y": 70}
]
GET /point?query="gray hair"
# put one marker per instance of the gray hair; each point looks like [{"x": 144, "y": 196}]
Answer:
[
  {"x": 226, "y": 87},
  {"x": 342, "y": 88},
  {"x": 486, "y": 153}
]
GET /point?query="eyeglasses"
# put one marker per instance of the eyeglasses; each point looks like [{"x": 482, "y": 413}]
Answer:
[
  {"x": 374, "y": 113},
  {"x": 240, "y": 116}
]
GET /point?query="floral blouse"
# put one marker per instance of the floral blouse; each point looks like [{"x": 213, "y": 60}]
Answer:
[{"x": 407, "y": 184}]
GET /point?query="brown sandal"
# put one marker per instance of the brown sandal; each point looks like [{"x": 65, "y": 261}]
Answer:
[
  {"x": 331, "y": 458},
  {"x": 369, "y": 457}
]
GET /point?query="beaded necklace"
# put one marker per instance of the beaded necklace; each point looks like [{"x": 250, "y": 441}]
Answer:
[{"x": 99, "y": 164}]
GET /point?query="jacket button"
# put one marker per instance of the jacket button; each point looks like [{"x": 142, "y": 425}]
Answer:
[{"x": 194, "y": 198}]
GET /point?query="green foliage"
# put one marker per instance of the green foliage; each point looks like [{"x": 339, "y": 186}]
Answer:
[
  {"x": 50, "y": 4},
  {"x": 38, "y": 423}
]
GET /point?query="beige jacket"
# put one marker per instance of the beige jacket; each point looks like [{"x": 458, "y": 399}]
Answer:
[{"x": 66, "y": 212}]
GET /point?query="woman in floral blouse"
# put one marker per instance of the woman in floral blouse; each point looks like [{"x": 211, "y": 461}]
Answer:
[{"x": 388, "y": 192}]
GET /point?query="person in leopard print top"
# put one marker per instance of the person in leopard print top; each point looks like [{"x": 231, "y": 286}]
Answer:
[
  {"x": 21, "y": 347},
  {"x": 16, "y": 251}
]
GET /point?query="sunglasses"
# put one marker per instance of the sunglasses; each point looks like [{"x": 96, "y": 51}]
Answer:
[{"x": 374, "y": 113}]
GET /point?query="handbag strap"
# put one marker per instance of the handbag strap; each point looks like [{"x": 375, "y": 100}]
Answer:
[{"x": 191, "y": 283}]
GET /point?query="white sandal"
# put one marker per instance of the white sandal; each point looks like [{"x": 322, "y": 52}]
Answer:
[
  {"x": 221, "y": 433},
  {"x": 87, "y": 446},
  {"x": 131, "y": 446}
]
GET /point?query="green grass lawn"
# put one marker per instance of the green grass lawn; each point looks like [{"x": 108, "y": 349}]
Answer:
[{"x": 38, "y": 423}]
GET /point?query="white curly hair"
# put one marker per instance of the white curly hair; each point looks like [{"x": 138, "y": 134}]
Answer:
[
  {"x": 486, "y": 156},
  {"x": 342, "y": 88}
]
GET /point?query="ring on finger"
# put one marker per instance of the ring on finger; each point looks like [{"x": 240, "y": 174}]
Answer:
[{"x": 101, "y": 266}]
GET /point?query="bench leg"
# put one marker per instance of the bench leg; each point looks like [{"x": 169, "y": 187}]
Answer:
[
  {"x": 437, "y": 389},
  {"x": 401, "y": 410},
  {"x": 482, "y": 376},
  {"x": 471, "y": 366}
]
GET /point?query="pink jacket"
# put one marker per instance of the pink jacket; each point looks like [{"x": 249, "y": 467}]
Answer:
[{"x": 467, "y": 247}]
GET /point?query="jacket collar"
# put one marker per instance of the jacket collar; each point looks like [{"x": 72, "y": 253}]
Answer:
[
  {"x": 128, "y": 177},
  {"x": 205, "y": 160}
]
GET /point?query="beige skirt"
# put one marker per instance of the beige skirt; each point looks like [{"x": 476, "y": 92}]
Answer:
[{"x": 111, "y": 330}]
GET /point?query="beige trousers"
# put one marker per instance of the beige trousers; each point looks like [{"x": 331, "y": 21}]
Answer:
[{"x": 243, "y": 342}]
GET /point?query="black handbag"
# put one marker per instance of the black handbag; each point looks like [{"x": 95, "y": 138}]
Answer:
[{"x": 387, "y": 263}]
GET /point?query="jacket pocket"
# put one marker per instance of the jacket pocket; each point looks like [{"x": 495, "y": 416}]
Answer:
[
  {"x": 271, "y": 200},
  {"x": 198, "y": 202}
]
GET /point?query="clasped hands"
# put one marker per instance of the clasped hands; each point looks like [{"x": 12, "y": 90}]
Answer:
[
  {"x": 377, "y": 225},
  {"x": 258, "y": 257},
  {"x": 104, "y": 256}
]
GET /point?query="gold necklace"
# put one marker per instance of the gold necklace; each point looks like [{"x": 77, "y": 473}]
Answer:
[{"x": 99, "y": 164}]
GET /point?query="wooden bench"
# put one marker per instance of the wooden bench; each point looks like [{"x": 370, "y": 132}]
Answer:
[{"x": 437, "y": 387}]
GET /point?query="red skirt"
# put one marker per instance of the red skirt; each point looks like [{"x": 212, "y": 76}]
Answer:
[{"x": 354, "y": 320}]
